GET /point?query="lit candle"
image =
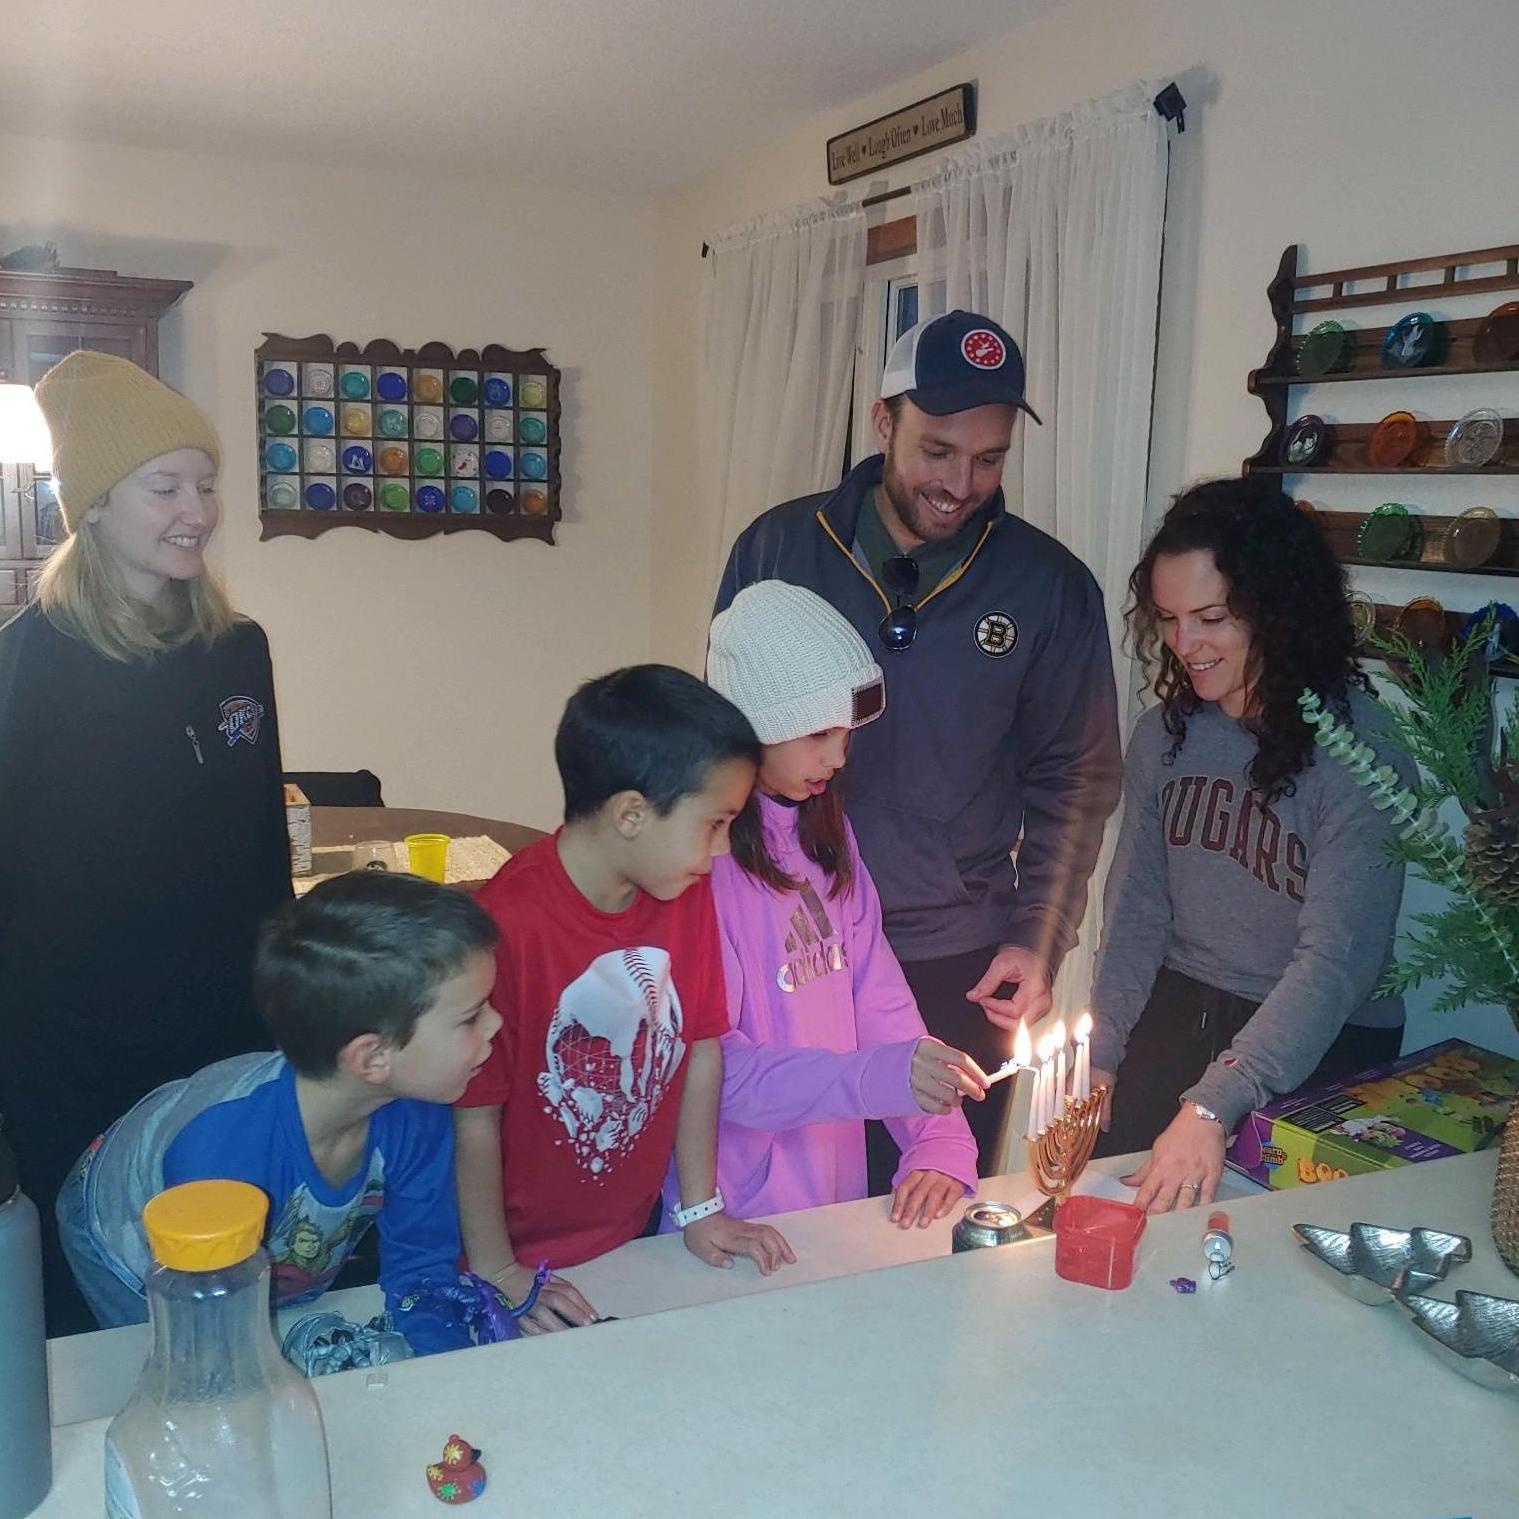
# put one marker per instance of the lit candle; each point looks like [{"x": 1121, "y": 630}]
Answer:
[
  {"x": 1083, "y": 1056},
  {"x": 1057, "y": 1106}
]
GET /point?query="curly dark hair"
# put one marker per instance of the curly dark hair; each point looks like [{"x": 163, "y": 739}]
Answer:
[{"x": 1287, "y": 587}]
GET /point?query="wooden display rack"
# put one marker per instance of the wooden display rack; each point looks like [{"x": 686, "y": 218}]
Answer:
[{"x": 1292, "y": 295}]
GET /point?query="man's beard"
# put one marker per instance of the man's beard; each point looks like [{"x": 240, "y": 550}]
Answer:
[{"x": 920, "y": 520}]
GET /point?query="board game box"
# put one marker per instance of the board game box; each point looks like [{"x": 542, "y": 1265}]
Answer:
[{"x": 1449, "y": 1099}]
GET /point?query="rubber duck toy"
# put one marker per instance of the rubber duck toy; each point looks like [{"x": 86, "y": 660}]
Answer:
[{"x": 458, "y": 1477}]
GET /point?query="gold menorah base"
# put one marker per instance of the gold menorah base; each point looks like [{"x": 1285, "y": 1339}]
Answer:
[{"x": 1059, "y": 1155}]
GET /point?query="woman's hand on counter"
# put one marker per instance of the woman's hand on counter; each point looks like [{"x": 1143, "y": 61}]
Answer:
[{"x": 1184, "y": 1166}]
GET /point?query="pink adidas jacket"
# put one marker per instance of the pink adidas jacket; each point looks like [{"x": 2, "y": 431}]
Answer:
[{"x": 824, "y": 1028}]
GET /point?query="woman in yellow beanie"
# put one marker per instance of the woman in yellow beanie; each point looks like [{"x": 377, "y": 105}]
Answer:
[{"x": 142, "y": 832}]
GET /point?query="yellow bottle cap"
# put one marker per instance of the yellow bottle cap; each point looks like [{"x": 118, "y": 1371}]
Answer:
[{"x": 205, "y": 1225}]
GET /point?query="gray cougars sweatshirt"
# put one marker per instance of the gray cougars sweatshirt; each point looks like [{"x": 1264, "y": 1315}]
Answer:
[{"x": 1291, "y": 904}]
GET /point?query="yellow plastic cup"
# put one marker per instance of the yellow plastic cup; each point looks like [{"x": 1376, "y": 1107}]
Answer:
[{"x": 428, "y": 854}]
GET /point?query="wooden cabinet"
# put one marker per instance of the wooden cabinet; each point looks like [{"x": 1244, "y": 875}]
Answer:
[{"x": 43, "y": 317}]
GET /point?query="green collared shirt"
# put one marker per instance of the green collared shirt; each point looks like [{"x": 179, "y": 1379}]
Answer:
[{"x": 935, "y": 560}]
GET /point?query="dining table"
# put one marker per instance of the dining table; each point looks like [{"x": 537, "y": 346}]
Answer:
[
  {"x": 334, "y": 827},
  {"x": 885, "y": 1377}
]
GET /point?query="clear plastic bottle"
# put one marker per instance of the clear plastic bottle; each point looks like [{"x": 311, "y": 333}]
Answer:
[
  {"x": 26, "y": 1457},
  {"x": 220, "y": 1425}
]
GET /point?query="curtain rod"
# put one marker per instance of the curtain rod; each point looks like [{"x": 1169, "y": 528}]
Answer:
[{"x": 1170, "y": 104}]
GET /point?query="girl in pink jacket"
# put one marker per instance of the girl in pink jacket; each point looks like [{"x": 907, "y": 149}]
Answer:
[{"x": 825, "y": 1030}]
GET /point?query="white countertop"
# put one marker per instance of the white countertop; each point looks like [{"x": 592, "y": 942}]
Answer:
[{"x": 981, "y": 1383}]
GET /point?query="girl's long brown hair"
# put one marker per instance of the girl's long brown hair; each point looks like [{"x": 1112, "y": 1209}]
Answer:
[{"x": 821, "y": 831}]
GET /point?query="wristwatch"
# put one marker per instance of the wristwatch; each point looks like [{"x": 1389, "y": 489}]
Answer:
[
  {"x": 685, "y": 1216},
  {"x": 1207, "y": 1113}
]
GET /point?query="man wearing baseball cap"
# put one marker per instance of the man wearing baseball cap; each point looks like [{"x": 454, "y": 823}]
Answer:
[{"x": 1000, "y": 735}]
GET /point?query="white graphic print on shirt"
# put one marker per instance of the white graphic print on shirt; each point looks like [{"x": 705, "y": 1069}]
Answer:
[{"x": 614, "y": 1045}]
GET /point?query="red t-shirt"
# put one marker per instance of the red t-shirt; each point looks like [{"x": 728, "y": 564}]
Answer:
[{"x": 598, "y": 1012}]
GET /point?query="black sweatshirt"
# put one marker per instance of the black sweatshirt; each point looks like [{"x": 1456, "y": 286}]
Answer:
[
  {"x": 1000, "y": 719},
  {"x": 142, "y": 841}
]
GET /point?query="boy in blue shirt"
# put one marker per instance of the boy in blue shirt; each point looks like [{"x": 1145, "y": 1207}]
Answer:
[{"x": 376, "y": 988}]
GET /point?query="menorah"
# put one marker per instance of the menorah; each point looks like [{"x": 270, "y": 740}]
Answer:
[{"x": 1062, "y": 1148}]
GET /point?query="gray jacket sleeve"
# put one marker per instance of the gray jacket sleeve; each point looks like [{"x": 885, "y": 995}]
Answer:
[
  {"x": 1070, "y": 773},
  {"x": 1345, "y": 932},
  {"x": 1136, "y": 903}
]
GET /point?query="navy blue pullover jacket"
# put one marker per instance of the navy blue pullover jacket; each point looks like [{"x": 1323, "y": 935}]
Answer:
[{"x": 1001, "y": 725}]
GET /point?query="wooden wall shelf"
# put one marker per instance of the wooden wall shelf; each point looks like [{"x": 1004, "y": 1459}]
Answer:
[
  {"x": 1366, "y": 364},
  {"x": 1342, "y": 529},
  {"x": 1348, "y": 456},
  {"x": 1387, "y": 620},
  {"x": 1293, "y": 296},
  {"x": 1458, "y": 280}
]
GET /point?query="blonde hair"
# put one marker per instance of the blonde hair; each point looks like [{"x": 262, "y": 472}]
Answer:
[{"x": 82, "y": 592}]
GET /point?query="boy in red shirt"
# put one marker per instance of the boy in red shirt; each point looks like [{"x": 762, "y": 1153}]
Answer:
[{"x": 610, "y": 989}]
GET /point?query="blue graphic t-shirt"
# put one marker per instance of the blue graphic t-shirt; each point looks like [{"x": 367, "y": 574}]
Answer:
[{"x": 239, "y": 1120}]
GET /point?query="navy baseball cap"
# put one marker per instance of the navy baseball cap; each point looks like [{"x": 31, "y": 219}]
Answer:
[{"x": 952, "y": 363}]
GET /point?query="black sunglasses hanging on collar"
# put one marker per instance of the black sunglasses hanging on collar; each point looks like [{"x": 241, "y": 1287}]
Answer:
[{"x": 900, "y": 625}]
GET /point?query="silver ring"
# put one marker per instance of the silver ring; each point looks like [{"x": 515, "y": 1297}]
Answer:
[{"x": 1193, "y": 1186}]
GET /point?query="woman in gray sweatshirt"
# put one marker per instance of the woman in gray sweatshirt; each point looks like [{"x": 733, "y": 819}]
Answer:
[{"x": 1250, "y": 908}]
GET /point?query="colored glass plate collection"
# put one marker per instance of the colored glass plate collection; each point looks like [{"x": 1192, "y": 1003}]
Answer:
[{"x": 429, "y": 440}]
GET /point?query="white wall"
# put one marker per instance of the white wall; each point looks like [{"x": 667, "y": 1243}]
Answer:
[
  {"x": 1363, "y": 129},
  {"x": 441, "y": 665}
]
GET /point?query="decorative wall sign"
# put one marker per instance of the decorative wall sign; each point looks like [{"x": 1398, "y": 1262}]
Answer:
[
  {"x": 941, "y": 119},
  {"x": 409, "y": 442}
]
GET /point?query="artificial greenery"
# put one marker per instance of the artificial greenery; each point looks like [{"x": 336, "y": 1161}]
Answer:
[{"x": 1447, "y": 727}]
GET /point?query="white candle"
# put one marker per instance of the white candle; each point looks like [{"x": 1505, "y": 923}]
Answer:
[
  {"x": 1083, "y": 1056},
  {"x": 1057, "y": 1107},
  {"x": 1023, "y": 1055},
  {"x": 1046, "y": 1079}
]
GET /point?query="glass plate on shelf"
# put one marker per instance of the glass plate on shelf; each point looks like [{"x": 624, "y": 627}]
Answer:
[
  {"x": 1327, "y": 348},
  {"x": 1363, "y": 616},
  {"x": 1475, "y": 440},
  {"x": 1496, "y": 341},
  {"x": 1305, "y": 443},
  {"x": 1422, "y": 623},
  {"x": 1394, "y": 440},
  {"x": 1502, "y": 643},
  {"x": 1473, "y": 538},
  {"x": 1391, "y": 532},
  {"x": 1413, "y": 341}
]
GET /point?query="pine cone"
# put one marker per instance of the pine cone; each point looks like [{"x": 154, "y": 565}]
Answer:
[{"x": 1492, "y": 854}]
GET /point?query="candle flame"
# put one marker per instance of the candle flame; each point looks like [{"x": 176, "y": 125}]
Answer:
[
  {"x": 1023, "y": 1046},
  {"x": 1046, "y": 1048},
  {"x": 1083, "y": 1028},
  {"x": 1059, "y": 1034}
]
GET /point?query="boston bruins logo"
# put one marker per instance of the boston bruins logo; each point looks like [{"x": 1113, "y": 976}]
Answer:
[{"x": 996, "y": 634}]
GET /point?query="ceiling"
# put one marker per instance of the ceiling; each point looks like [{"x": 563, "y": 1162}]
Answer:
[{"x": 628, "y": 95}]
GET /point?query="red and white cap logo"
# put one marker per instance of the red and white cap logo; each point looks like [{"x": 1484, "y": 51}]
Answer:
[{"x": 983, "y": 349}]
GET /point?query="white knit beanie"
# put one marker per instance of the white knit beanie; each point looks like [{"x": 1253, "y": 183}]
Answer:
[{"x": 791, "y": 664}]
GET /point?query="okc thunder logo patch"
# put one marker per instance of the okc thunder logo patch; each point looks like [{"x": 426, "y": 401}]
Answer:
[
  {"x": 996, "y": 634},
  {"x": 984, "y": 349},
  {"x": 242, "y": 717}
]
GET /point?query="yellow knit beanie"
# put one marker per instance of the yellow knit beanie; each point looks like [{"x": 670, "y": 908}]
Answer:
[{"x": 109, "y": 417}]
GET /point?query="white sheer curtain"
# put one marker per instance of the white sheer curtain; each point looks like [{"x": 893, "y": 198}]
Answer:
[
  {"x": 1055, "y": 230},
  {"x": 780, "y": 322}
]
